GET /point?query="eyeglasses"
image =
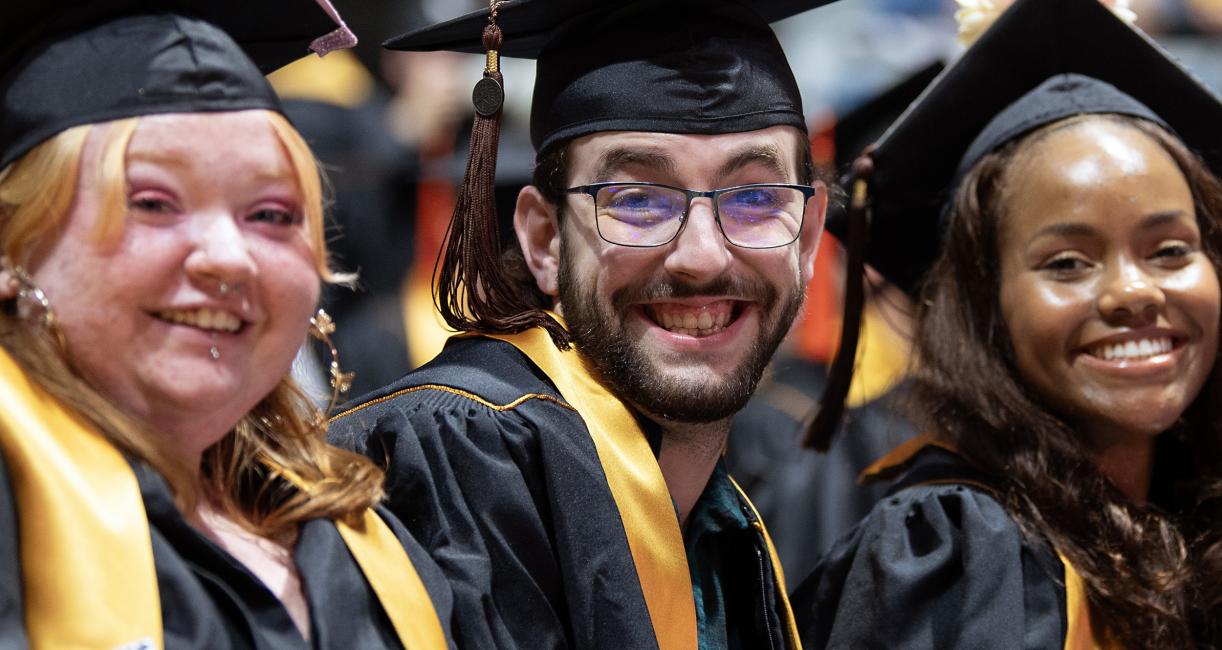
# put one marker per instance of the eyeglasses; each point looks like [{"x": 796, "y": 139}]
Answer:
[{"x": 649, "y": 214}]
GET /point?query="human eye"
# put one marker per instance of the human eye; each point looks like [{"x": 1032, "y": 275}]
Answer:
[
  {"x": 640, "y": 205},
  {"x": 150, "y": 202},
  {"x": 275, "y": 216},
  {"x": 755, "y": 198},
  {"x": 1173, "y": 251},
  {"x": 1065, "y": 265}
]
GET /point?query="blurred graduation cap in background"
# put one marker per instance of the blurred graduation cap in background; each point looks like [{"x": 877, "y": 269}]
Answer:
[
  {"x": 64, "y": 64},
  {"x": 677, "y": 66},
  {"x": 1040, "y": 62}
]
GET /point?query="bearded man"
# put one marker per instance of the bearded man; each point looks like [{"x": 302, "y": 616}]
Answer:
[{"x": 561, "y": 459}]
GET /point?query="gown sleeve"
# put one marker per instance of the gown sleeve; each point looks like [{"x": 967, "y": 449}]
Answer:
[
  {"x": 460, "y": 480},
  {"x": 934, "y": 566},
  {"x": 12, "y": 613}
]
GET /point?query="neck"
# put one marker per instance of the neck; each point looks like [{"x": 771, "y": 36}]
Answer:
[
  {"x": 1128, "y": 465},
  {"x": 689, "y": 454}
]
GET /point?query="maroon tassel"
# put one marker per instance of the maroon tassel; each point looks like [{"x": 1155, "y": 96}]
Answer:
[
  {"x": 840, "y": 377},
  {"x": 470, "y": 289}
]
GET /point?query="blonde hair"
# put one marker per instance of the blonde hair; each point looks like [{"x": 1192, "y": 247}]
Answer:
[{"x": 274, "y": 470}]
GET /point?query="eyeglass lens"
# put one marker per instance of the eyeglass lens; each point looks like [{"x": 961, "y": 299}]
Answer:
[{"x": 648, "y": 215}]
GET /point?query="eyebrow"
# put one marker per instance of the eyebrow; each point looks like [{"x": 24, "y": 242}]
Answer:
[
  {"x": 767, "y": 155},
  {"x": 1074, "y": 229},
  {"x": 616, "y": 159},
  {"x": 165, "y": 158}
]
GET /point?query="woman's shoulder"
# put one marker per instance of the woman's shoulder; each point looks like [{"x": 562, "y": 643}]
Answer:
[{"x": 939, "y": 562}]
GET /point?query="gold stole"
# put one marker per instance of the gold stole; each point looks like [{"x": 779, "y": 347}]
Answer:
[
  {"x": 1079, "y": 633},
  {"x": 390, "y": 572},
  {"x": 640, "y": 493},
  {"x": 87, "y": 565},
  {"x": 86, "y": 561}
]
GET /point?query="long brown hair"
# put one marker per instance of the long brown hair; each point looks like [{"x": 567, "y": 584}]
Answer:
[
  {"x": 274, "y": 470},
  {"x": 1138, "y": 561}
]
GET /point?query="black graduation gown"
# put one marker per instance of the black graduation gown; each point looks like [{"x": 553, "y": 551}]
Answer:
[
  {"x": 211, "y": 601},
  {"x": 936, "y": 564},
  {"x": 809, "y": 499},
  {"x": 498, "y": 477}
]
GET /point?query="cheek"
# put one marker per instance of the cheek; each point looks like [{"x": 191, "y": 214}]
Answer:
[
  {"x": 1041, "y": 320},
  {"x": 291, "y": 281}
]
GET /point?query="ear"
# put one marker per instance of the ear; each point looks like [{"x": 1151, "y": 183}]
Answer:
[
  {"x": 9, "y": 284},
  {"x": 812, "y": 230},
  {"x": 538, "y": 231}
]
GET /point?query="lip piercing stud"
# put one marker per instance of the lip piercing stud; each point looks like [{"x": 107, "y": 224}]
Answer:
[
  {"x": 214, "y": 351},
  {"x": 223, "y": 288}
]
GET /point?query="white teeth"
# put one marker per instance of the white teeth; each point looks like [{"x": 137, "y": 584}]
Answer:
[
  {"x": 695, "y": 322},
  {"x": 207, "y": 319},
  {"x": 1133, "y": 350}
]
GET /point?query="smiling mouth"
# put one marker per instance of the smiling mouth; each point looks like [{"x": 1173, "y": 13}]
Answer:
[
  {"x": 1136, "y": 350},
  {"x": 212, "y": 320},
  {"x": 695, "y": 320}
]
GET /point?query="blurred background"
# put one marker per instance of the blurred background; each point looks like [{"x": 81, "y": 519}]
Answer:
[{"x": 391, "y": 128}]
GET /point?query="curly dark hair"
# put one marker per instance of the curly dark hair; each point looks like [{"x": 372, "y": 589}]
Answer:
[{"x": 1153, "y": 572}]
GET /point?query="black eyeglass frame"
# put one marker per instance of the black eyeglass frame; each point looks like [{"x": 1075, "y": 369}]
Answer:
[{"x": 592, "y": 191}]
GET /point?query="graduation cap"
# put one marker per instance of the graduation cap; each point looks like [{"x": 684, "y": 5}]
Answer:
[
  {"x": 674, "y": 66},
  {"x": 1042, "y": 61},
  {"x": 63, "y": 64}
]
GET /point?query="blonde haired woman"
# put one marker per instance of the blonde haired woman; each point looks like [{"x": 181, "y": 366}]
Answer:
[{"x": 163, "y": 480}]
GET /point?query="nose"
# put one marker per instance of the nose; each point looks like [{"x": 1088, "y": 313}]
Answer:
[
  {"x": 1129, "y": 293},
  {"x": 220, "y": 253},
  {"x": 699, "y": 253}
]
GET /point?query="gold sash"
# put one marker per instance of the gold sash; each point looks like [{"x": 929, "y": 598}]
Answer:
[
  {"x": 636, "y": 484},
  {"x": 787, "y": 620},
  {"x": 87, "y": 565},
  {"x": 640, "y": 494},
  {"x": 390, "y": 572}
]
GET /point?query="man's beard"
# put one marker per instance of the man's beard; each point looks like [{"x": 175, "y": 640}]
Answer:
[{"x": 599, "y": 333}]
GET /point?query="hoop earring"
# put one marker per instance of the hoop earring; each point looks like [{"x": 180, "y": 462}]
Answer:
[
  {"x": 321, "y": 328},
  {"x": 32, "y": 302}
]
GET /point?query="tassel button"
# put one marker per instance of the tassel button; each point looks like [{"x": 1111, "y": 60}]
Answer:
[{"x": 488, "y": 97}]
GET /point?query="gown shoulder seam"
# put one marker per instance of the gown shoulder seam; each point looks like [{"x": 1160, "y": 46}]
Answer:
[{"x": 454, "y": 391}]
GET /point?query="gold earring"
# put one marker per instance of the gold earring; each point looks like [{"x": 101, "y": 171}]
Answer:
[
  {"x": 33, "y": 302},
  {"x": 321, "y": 328}
]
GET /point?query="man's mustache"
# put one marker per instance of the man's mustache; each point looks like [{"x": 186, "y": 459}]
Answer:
[{"x": 670, "y": 288}]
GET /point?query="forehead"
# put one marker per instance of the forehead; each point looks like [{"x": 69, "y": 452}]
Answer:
[
  {"x": 201, "y": 140},
  {"x": 691, "y": 156},
  {"x": 1092, "y": 166}
]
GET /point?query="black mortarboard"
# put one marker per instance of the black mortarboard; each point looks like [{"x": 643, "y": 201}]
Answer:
[
  {"x": 712, "y": 66},
  {"x": 672, "y": 66},
  {"x": 1042, "y": 61},
  {"x": 65, "y": 64}
]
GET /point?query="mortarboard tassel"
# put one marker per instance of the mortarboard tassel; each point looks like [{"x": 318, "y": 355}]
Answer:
[
  {"x": 840, "y": 377},
  {"x": 470, "y": 289}
]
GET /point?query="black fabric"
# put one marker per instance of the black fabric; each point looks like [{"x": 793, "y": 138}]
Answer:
[
  {"x": 513, "y": 504},
  {"x": 808, "y": 499},
  {"x": 210, "y": 600},
  {"x": 12, "y": 612},
  {"x": 63, "y": 64},
  {"x": 917, "y": 159},
  {"x": 1057, "y": 98},
  {"x": 937, "y": 565},
  {"x": 675, "y": 66}
]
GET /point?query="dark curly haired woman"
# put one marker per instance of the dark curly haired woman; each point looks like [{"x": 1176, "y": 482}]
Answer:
[{"x": 1066, "y": 493}]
